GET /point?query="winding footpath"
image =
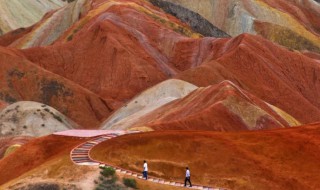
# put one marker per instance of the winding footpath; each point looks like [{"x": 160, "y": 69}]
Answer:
[{"x": 80, "y": 155}]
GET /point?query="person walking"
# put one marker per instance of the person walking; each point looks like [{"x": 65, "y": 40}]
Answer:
[
  {"x": 187, "y": 177},
  {"x": 145, "y": 170}
]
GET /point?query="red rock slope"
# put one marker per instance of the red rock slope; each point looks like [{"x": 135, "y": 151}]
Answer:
[
  {"x": 124, "y": 47},
  {"x": 307, "y": 12},
  {"x": 3, "y": 104},
  {"x": 277, "y": 159},
  {"x": 120, "y": 48},
  {"x": 6, "y": 142},
  {"x": 291, "y": 23},
  {"x": 222, "y": 107},
  {"x": 286, "y": 79},
  {"x": 35, "y": 153},
  {"x": 22, "y": 80}
]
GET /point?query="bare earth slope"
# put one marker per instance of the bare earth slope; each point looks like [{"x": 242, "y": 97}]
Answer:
[
  {"x": 291, "y": 23},
  {"x": 44, "y": 163},
  {"x": 7, "y": 142},
  {"x": 147, "y": 101},
  {"x": 280, "y": 77},
  {"x": 121, "y": 56},
  {"x": 129, "y": 51},
  {"x": 35, "y": 153},
  {"x": 3, "y": 105},
  {"x": 275, "y": 159},
  {"x": 27, "y": 118},
  {"x": 16, "y": 14},
  {"x": 22, "y": 80},
  {"x": 52, "y": 26},
  {"x": 222, "y": 107}
]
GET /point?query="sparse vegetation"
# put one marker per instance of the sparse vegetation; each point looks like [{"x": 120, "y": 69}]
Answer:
[
  {"x": 52, "y": 88},
  {"x": 57, "y": 118},
  {"x": 54, "y": 115},
  {"x": 130, "y": 183},
  {"x": 70, "y": 38},
  {"x": 108, "y": 180},
  {"x": 107, "y": 171}
]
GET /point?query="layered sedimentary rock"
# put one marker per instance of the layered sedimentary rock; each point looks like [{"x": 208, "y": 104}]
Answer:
[
  {"x": 10, "y": 37},
  {"x": 52, "y": 26},
  {"x": 22, "y": 80},
  {"x": 291, "y": 23},
  {"x": 280, "y": 77},
  {"x": 10, "y": 144},
  {"x": 146, "y": 102},
  {"x": 124, "y": 47},
  {"x": 243, "y": 160},
  {"x": 37, "y": 153},
  {"x": 312, "y": 55},
  {"x": 196, "y": 21},
  {"x": 32, "y": 119},
  {"x": 16, "y": 14},
  {"x": 101, "y": 55},
  {"x": 224, "y": 107}
]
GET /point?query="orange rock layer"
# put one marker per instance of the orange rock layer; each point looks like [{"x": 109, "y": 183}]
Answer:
[
  {"x": 6, "y": 142},
  {"x": 275, "y": 159},
  {"x": 35, "y": 153},
  {"x": 22, "y": 80},
  {"x": 286, "y": 79},
  {"x": 119, "y": 48},
  {"x": 223, "y": 107}
]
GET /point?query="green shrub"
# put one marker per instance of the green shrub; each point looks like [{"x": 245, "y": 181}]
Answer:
[
  {"x": 107, "y": 171},
  {"x": 130, "y": 182},
  {"x": 108, "y": 180}
]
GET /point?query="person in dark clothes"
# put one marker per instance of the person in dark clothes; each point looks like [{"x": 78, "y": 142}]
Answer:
[{"x": 187, "y": 177}]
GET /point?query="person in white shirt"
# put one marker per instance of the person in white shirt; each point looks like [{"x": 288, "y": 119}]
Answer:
[
  {"x": 145, "y": 170},
  {"x": 187, "y": 177}
]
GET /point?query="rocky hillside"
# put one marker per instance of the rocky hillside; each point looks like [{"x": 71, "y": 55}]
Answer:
[
  {"x": 20, "y": 14},
  {"x": 21, "y": 80},
  {"x": 222, "y": 107},
  {"x": 227, "y": 87},
  {"x": 291, "y": 23},
  {"x": 244, "y": 160},
  {"x": 125, "y": 55},
  {"x": 9, "y": 145},
  {"x": 32, "y": 119}
]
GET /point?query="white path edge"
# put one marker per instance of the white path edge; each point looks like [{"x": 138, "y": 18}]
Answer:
[{"x": 80, "y": 155}]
